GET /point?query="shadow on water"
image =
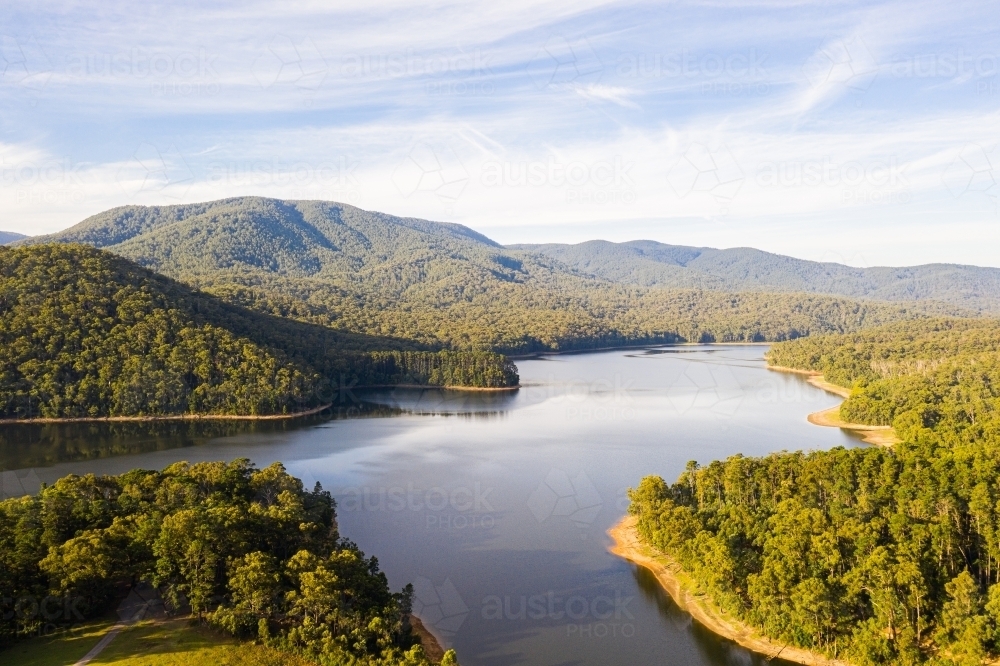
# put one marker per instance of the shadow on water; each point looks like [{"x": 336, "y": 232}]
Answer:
[
  {"x": 438, "y": 401},
  {"x": 713, "y": 648},
  {"x": 43, "y": 445}
]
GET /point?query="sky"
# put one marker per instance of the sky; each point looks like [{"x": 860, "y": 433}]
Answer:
[{"x": 864, "y": 133}]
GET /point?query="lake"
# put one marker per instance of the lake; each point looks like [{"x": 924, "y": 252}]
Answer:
[{"x": 495, "y": 505}]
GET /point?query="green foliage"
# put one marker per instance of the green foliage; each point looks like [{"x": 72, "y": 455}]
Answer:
[
  {"x": 440, "y": 285},
  {"x": 248, "y": 551},
  {"x": 940, "y": 374},
  {"x": 648, "y": 263},
  {"x": 873, "y": 555},
  {"x": 84, "y": 333}
]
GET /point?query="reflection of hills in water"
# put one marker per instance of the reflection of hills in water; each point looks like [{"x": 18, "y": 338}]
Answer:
[
  {"x": 42, "y": 445},
  {"x": 714, "y": 649},
  {"x": 443, "y": 402}
]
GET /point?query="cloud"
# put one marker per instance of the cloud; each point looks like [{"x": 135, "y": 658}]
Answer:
[
  {"x": 595, "y": 101},
  {"x": 615, "y": 94}
]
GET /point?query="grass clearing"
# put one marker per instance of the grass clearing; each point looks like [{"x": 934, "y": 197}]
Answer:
[
  {"x": 64, "y": 647},
  {"x": 174, "y": 642}
]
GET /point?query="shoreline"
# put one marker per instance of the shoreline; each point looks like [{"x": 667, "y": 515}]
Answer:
[
  {"x": 672, "y": 578},
  {"x": 235, "y": 417},
  {"x": 432, "y": 646},
  {"x": 653, "y": 345},
  {"x": 433, "y": 386},
  {"x": 172, "y": 417},
  {"x": 830, "y": 418}
]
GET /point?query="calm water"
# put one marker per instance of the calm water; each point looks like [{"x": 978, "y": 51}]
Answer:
[{"x": 496, "y": 505}]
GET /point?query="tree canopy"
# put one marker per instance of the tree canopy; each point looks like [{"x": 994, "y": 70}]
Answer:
[
  {"x": 247, "y": 550},
  {"x": 84, "y": 333},
  {"x": 444, "y": 285},
  {"x": 873, "y": 555}
]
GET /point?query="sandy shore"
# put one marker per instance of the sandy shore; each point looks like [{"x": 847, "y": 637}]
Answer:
[
  {"x": 432, "y": 646},
  {"x": 877, "y": 435},
  {"x": 673, "y": 579},
  {"x": 830, "y": 418}
]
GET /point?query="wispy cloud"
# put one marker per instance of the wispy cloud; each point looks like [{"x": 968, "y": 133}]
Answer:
[{"x": 527, "y": 119}]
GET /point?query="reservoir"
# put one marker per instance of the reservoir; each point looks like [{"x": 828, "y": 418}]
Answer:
[{"x": 495, "y": 505}]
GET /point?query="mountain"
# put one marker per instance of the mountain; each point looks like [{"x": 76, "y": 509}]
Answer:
[
  {"x": 85, "y": 333},
  {"x": 439, "y": 284},
  {"x": 9, "y": 237},
  {"x": 648, "y": 263}
]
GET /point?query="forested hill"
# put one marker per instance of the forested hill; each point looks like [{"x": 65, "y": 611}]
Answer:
[
  {"x": 939, "y": 373},
  {"x": 9, "y": 237},
  {"x": 648, "y": 263},
  {"x": 440, "y": 284},
  {"x": 870, "y": 555},
  {"x": 84, "y": 333}
]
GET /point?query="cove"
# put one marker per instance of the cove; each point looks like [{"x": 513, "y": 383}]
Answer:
[{"x": 495, "y": 505}]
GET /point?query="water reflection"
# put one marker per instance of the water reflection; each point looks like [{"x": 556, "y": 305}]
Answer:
[
  {"x": 714, "y": 650},
  {"x": 43, "y": 445},
  {"x": 480, "y": 496}
]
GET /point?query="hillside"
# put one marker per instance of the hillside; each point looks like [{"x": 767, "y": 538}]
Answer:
[
  {"x": 648, "y": 263},
  {"x": 939, "y": 373},
  {"x": 84, "y": 333},
  {"x": 10, "y": 237},
  {"x": 439, "y": 284}
]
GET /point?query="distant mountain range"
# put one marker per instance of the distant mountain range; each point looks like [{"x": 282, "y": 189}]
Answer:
[
  {"x": 445, "y": 284},
  {"x": 10, "y": 237},
  {"x": 648, "y": 263}
]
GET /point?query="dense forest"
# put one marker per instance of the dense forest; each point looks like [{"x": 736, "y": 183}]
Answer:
[
  {"x": 84, "y": 333},
  {"x": 937, "y": 373},
  {"x": 648, "y": 263},
  {"x": 873, "y": 555},
  {"x": 248, "y": 551},
  {"x": 442, "y": 285}
]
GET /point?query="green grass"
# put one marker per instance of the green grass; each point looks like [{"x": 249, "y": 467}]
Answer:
[
  {"x": 170, "y": 643},
  {"x": 65, "y": 647}
]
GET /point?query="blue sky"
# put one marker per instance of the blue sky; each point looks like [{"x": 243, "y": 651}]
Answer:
[{"x": 858, "y": 132}]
